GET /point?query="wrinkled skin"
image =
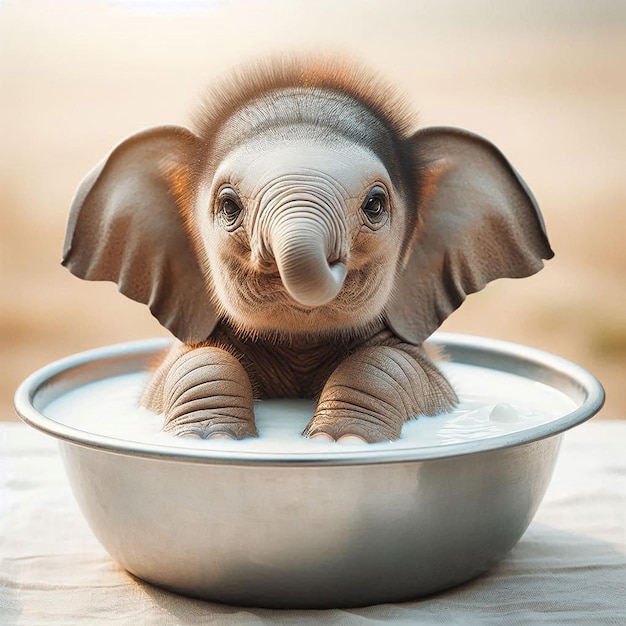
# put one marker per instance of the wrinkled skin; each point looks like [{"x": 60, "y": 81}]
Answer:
[
  {"x": 207, "y": 391},
  {"x": 296, "y": 254}
]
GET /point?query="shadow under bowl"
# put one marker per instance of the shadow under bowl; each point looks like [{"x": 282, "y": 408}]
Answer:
[{"x": 340, "y": 529}]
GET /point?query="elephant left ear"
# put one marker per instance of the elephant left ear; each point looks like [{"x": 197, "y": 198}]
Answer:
[
  {"x": 125, "y": 226},
  {"x": 477, "y": 221}
]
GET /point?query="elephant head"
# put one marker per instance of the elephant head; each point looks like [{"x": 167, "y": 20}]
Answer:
[{"x": 302, "y": 203}]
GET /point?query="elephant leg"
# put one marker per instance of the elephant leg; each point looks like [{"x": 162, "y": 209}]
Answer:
[
  {"x": 202, "y": 392},
  {"x": 374, "y": 391}
]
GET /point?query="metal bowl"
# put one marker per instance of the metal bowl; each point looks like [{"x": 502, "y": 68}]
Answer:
[{"x": 340, "y": 529}]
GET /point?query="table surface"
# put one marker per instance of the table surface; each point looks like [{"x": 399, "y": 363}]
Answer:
[{"x": 568, "y": 568}]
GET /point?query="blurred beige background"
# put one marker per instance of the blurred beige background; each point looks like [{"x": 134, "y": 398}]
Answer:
[{"x": 544, "y": 80}]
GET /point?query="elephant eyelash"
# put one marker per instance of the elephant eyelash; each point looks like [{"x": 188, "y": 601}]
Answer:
[
  {"x": 375, "y": 207},
  {"x": 229, "y": 208}
]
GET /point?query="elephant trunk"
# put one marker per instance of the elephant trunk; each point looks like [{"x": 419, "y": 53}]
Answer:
[{"x": 307, "y": 251}]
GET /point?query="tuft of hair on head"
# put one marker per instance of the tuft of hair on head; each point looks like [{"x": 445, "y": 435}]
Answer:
[{"x": 320, "y": 72}]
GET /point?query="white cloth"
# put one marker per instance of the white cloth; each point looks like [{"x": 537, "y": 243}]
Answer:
[{"x": 569, "y": 567}]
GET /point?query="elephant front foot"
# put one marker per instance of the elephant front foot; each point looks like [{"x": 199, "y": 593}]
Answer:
[
  {"x": 373, "y": 392},
  {"x": 344, "y": 422},
  {"x": 203, "y": 393}
]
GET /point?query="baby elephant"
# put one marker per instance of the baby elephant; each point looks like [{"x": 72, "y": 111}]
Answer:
[{"x": 303, "y": 241}]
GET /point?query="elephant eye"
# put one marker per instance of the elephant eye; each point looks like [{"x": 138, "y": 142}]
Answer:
[
  {"x": 374, "y": 206},
  {"x": 230, "y": 207}
]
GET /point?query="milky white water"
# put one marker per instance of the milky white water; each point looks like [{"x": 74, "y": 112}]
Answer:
[{"x": 492, "y": 403}]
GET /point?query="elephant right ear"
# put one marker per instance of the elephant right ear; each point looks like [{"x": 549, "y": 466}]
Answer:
[
  {"x": 477, "y": 221},
  {"x": 125, "y": 226}
]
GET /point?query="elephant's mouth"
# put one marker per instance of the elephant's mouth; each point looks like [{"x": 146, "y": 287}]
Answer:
[
  {"x": 301, "y": 309},
  {"x": 260, "y": 303},
  {"x": 265, "y": 291},
  {"x": 264, "y": 287}
]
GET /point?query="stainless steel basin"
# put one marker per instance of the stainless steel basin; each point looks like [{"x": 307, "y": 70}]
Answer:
[{"x": 339, "y": 529}]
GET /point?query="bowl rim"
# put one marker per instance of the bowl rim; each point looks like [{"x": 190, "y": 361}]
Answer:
[{"x": 509, "y": 356}]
